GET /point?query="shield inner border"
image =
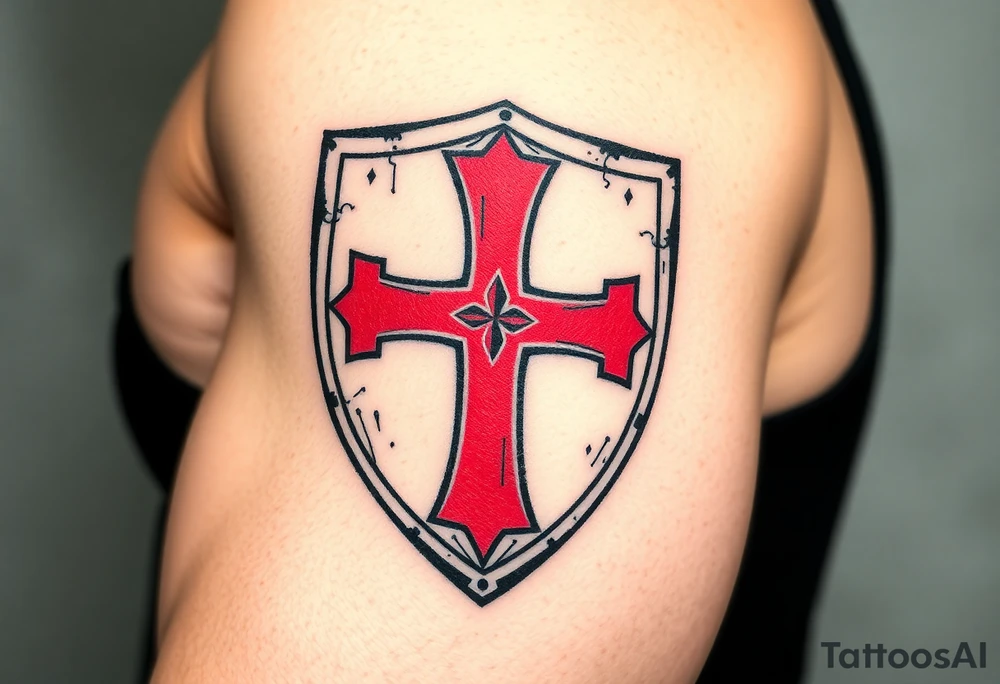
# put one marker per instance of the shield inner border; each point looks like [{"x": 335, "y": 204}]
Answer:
[{"x": 484, "y": 584}]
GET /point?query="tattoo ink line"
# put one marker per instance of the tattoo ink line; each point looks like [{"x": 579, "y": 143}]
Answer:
[
  {"x": 503, "y": 458},
  {"x": 609, "y": 153},
  {"x": 652, "y": 239},
  {"x": 393, "y": 165},
  {"x": 334, "y": 216},
  {"x": 606, "y": 440},
  {"x": 461, "y": 548},
  {"x": 378, "y": 425},
  {"x": 513, "y": 542},
  {"x": 482, "y": 217},
  {"x": 360, "y": 391},
  {"x": 364, "y": 427}
]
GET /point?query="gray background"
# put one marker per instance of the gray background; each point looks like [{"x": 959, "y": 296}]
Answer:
[{"x": 83, "y": 87}]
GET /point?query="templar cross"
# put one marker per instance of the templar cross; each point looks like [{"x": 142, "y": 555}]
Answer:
[{"x": 484, "y": 490}]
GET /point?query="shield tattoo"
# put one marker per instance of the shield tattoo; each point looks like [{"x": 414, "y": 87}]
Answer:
[{"x": 475, "y": 276}]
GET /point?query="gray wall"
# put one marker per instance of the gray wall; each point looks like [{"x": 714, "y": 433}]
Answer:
[{"x": 82, "y": 89}]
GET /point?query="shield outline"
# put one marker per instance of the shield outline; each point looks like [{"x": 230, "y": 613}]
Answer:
[{"x": 491, "y": 580}]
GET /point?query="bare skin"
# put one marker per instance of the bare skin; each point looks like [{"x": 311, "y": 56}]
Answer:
[{"x": 278, "y": 564}]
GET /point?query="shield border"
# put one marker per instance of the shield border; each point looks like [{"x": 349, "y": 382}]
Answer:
[{"x": 469, "y": 128}]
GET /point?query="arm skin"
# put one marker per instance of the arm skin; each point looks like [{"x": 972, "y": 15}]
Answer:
[
  {"x": 278, "y": 564},
  {"x": 183, "y": 253}
]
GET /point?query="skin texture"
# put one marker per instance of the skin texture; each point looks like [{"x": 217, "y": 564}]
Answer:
[{"x": 278, "y": 564}]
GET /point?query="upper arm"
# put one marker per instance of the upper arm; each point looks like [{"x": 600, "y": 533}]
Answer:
[
  {"x": 642, "y": 584},
  {"x": 182, "y": 260}
]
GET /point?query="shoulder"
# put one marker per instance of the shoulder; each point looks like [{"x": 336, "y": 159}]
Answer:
[{"x": 733, "y": 89}]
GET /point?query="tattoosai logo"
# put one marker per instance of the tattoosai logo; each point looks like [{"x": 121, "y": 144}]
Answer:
[
  {"x": 878, "y": 657},
  {"x": 465, "y": 271}
]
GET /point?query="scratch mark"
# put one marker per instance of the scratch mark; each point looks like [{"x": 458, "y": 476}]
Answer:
[
  {"x": 482, "y": 216},
  {"x": 334, "y": 216},
  {"x": 461, "y": 548},
  {"x": 575, "y": 307},
  {"x": 609, "y": 153},
  {"x": 364, "y": 427},
  {"x": 513, "y": 542},
  {"x": 503, "y": 458},
  {"x": 393, "y": 165},
  {"x": 652, "y": 239},
  {"x": 606, "y": 440}
]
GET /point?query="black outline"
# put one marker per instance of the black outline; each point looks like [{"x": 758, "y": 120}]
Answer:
[{"x": 458, "y": 578}]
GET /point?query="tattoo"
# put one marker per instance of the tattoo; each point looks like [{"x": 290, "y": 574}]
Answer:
[
  {"x": 481, "y": 529},
  {"x": 662, "y": 243}
]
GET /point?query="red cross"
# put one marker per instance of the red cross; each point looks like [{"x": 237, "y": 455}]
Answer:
[{"x": 496, "y": 317}]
